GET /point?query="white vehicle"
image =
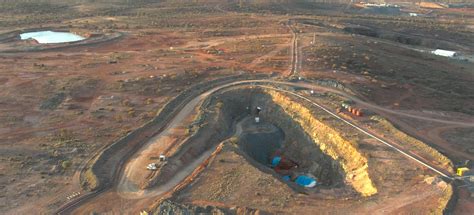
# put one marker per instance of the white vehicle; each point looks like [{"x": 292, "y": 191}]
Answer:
[
  {"x": 152, "y": 166},
  {"x": 257, "y": 119}
]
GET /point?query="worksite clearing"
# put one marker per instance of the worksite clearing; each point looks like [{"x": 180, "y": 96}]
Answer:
[{"x": 236, "y": 107}]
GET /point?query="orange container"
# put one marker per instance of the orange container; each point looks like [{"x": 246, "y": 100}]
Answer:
[
  {"x": 349, "y": 109},
  {"x": 357, "y": 112},
  {"x": 354, "y": 111}
]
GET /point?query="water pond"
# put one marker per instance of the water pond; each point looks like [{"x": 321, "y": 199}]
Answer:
[{"x": 45, "y": 37}]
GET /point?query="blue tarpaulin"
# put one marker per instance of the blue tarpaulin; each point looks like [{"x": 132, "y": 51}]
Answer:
[
  {"x": 305, "y": 181},
  {"x": 275, "y": 161}
]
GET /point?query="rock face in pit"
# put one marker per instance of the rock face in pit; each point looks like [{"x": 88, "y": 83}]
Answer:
[
  {"x": 296, "y": 144},
  {"x": 318, "y": 148},
  {"x": 330, "y": 142},
  {"x": 260, "y": 144}
]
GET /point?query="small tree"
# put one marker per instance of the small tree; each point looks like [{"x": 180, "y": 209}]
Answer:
[{"x": 66, "y": 164}]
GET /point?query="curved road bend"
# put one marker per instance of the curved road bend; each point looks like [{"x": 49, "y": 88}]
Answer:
[
  {"x": 126, "y": 191},
  {"x": 120, "y": 182}
]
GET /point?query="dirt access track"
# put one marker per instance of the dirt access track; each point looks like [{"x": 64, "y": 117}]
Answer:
[{"x": 184, "y": 81}]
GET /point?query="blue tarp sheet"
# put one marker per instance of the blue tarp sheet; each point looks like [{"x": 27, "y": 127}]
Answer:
[
  {"x": 275, "y": 161},
  {"x": 305, "y": 181}
]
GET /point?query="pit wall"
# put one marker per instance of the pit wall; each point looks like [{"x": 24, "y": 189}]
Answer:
[
  {"x": 331, "y": 142},
  {"x": 298, "y": 145},
  {"x": 213, "y": 126},
  {"x": 319, "y": 149}
]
